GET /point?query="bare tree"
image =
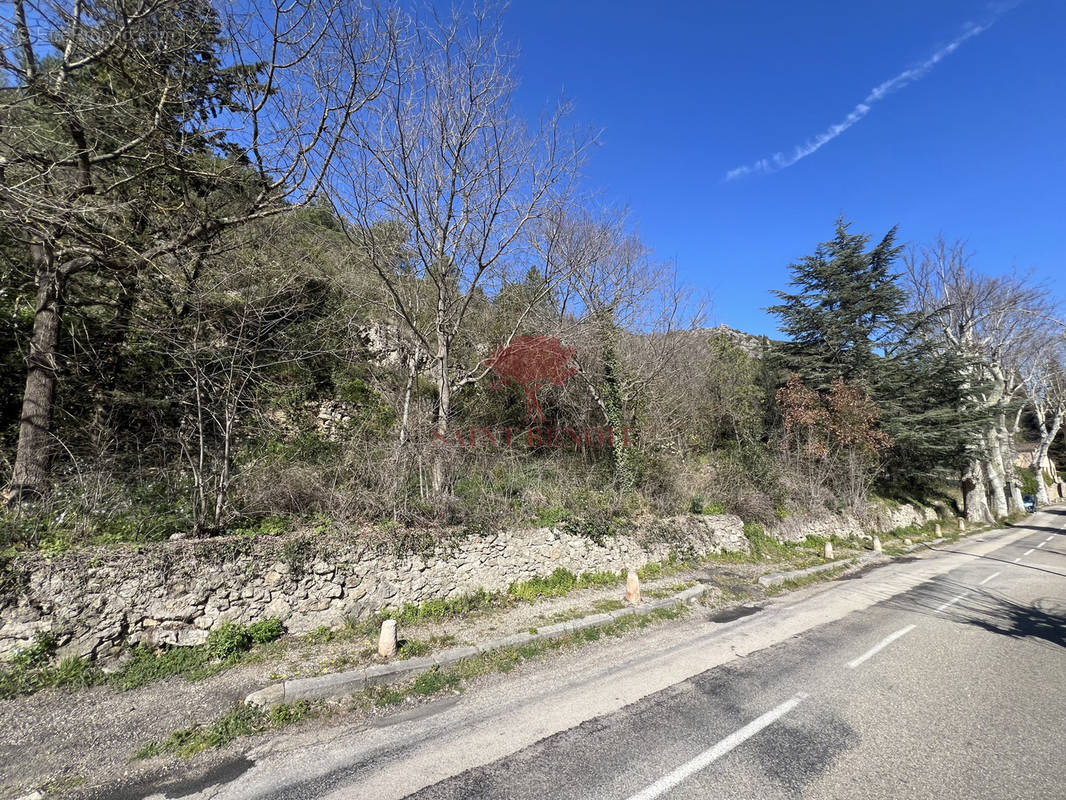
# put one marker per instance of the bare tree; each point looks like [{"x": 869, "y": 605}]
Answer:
[
  {"x": 447, "y": 157},
  {"x": 625, "y": 311},
  {"x": 1045, "y": 383},
  {"x": 990, "y": 322},
  {"x": 136, "y": 130}
]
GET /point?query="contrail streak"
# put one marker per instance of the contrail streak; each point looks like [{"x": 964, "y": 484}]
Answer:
[{"x": 779, "y": 161}]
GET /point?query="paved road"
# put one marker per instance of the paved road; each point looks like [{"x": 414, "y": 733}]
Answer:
[{"x": 943, "y": 676}]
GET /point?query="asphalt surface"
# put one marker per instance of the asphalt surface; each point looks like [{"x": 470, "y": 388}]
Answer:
[{"x": 942, "y": 676}]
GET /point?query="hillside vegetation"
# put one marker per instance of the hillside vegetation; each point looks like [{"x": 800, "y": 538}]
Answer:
[{"x": 251, "y": 282}]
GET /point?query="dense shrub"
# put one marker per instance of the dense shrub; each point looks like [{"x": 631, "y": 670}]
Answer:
[{"x": 228, "y": 641}]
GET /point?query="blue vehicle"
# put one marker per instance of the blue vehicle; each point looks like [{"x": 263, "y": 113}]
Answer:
[{"x": 1029, "y": 502}]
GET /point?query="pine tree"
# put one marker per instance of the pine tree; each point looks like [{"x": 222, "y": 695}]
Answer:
[
  {"x": 847, "y": 309},
  {"x": 847, "y": 319}
]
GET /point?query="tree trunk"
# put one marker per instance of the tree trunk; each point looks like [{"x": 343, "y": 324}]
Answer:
[
  {"x": 997, "y": 479},
  {"x": 613, "y": 400},
  {"x": 1047, "y": 436},
  {"x": 443, "y": 407},
  {"x": 1009, "y": 456},
  {"x": 35, "y": 444},
  {"x": 974, "y": 494},
  {"x": 412, "y": 378}
]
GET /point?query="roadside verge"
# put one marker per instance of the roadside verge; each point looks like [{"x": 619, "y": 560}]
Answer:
[{"x": 340, "y": 684}]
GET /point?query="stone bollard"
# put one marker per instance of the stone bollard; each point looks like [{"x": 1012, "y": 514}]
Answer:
[
  {"x": 937, "y": 530},
  {"x": 387, "y": 639},
  {"x": 829, "y": 550},
  {"x": 962, "y": 524},
  {"x": 877, "y": 545},
  {"x": 632, "y": 587}
]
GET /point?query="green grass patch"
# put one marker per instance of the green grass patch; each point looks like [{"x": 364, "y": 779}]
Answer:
[
  {"x": 806, "y": 580},
  {"x": 551, "y": 517},
  {"x": 435, "y": 681},
  {"x": 433, "y": 610},
  {"x": 587, "y": 579},
  {"x": 560, "y": 582},
  {"x": 763, "y": 544},
  {"x": 243, "y": 720},
  {"x": 416, "y": 648},
  {"x": 33, "y": 669}
]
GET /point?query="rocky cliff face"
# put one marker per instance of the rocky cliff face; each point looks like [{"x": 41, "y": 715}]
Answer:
[{"x": 751, "y": 344}]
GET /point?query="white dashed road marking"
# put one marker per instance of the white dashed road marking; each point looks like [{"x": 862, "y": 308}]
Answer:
[
  {"x": 1041, "y": 545},
  {"x": 1027, "y": 552},
  {"x": 881, "y": 645},
  {"x": 707, "y": 757},
  {"x": 990, "y": 577},
  {"x": 950, "y": 602}
]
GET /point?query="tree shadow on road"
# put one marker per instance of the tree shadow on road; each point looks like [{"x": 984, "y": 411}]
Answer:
[
  {"x": 1042, "y": 622},
  {"x": 1041, "y": 528},
  {"x": 1045, "y": 620}
]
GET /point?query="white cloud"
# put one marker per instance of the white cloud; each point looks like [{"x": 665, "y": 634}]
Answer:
[{"x": 779, "y": 161}]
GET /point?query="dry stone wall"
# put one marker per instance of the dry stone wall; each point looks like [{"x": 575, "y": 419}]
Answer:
[
  {"x": 877, "y": 519},
  {"x": 97, "y": 601}
]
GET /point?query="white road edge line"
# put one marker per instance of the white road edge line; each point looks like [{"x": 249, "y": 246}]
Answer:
[
  {"x": 1027, "y": 552},
  {"x": 881, "y": 645},
  {"x": 952, "y": 601},
  {"x": 707, "y": 757},
  {"x": 990, "y": 577}
]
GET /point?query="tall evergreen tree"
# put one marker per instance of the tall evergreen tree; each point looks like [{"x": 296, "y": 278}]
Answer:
[
  {"x": 846, "y": 310},
  {"x": 847, "y": 319}
]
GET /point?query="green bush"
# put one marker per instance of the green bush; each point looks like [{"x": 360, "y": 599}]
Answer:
[
  {"x": 37, "y": 654},
  {"x": 266, "y": 630},
  {"x": 599, "y": 579},
  {"x": 557, "y": 584},
  {"x": 228, "y": 641},
  {"x": 762, "y": 544},
  {"x": 596, "y": 529},
  {"x": 550, "y": 517},
  {"x": 650, "y": 571},
  {"x": 700, "y": 506},
  {"x": 267, "y": 526},
  {"x": 31, "y": 670}
]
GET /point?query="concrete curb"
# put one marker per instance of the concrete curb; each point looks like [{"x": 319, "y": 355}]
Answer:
[
  {"x": 341, "y": 684},
  {"x": 930, "y": 543},
  {"x": 778, "y": 578}
]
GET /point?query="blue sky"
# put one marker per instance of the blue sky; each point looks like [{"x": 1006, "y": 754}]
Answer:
[{"x": 974, "y": 147}]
